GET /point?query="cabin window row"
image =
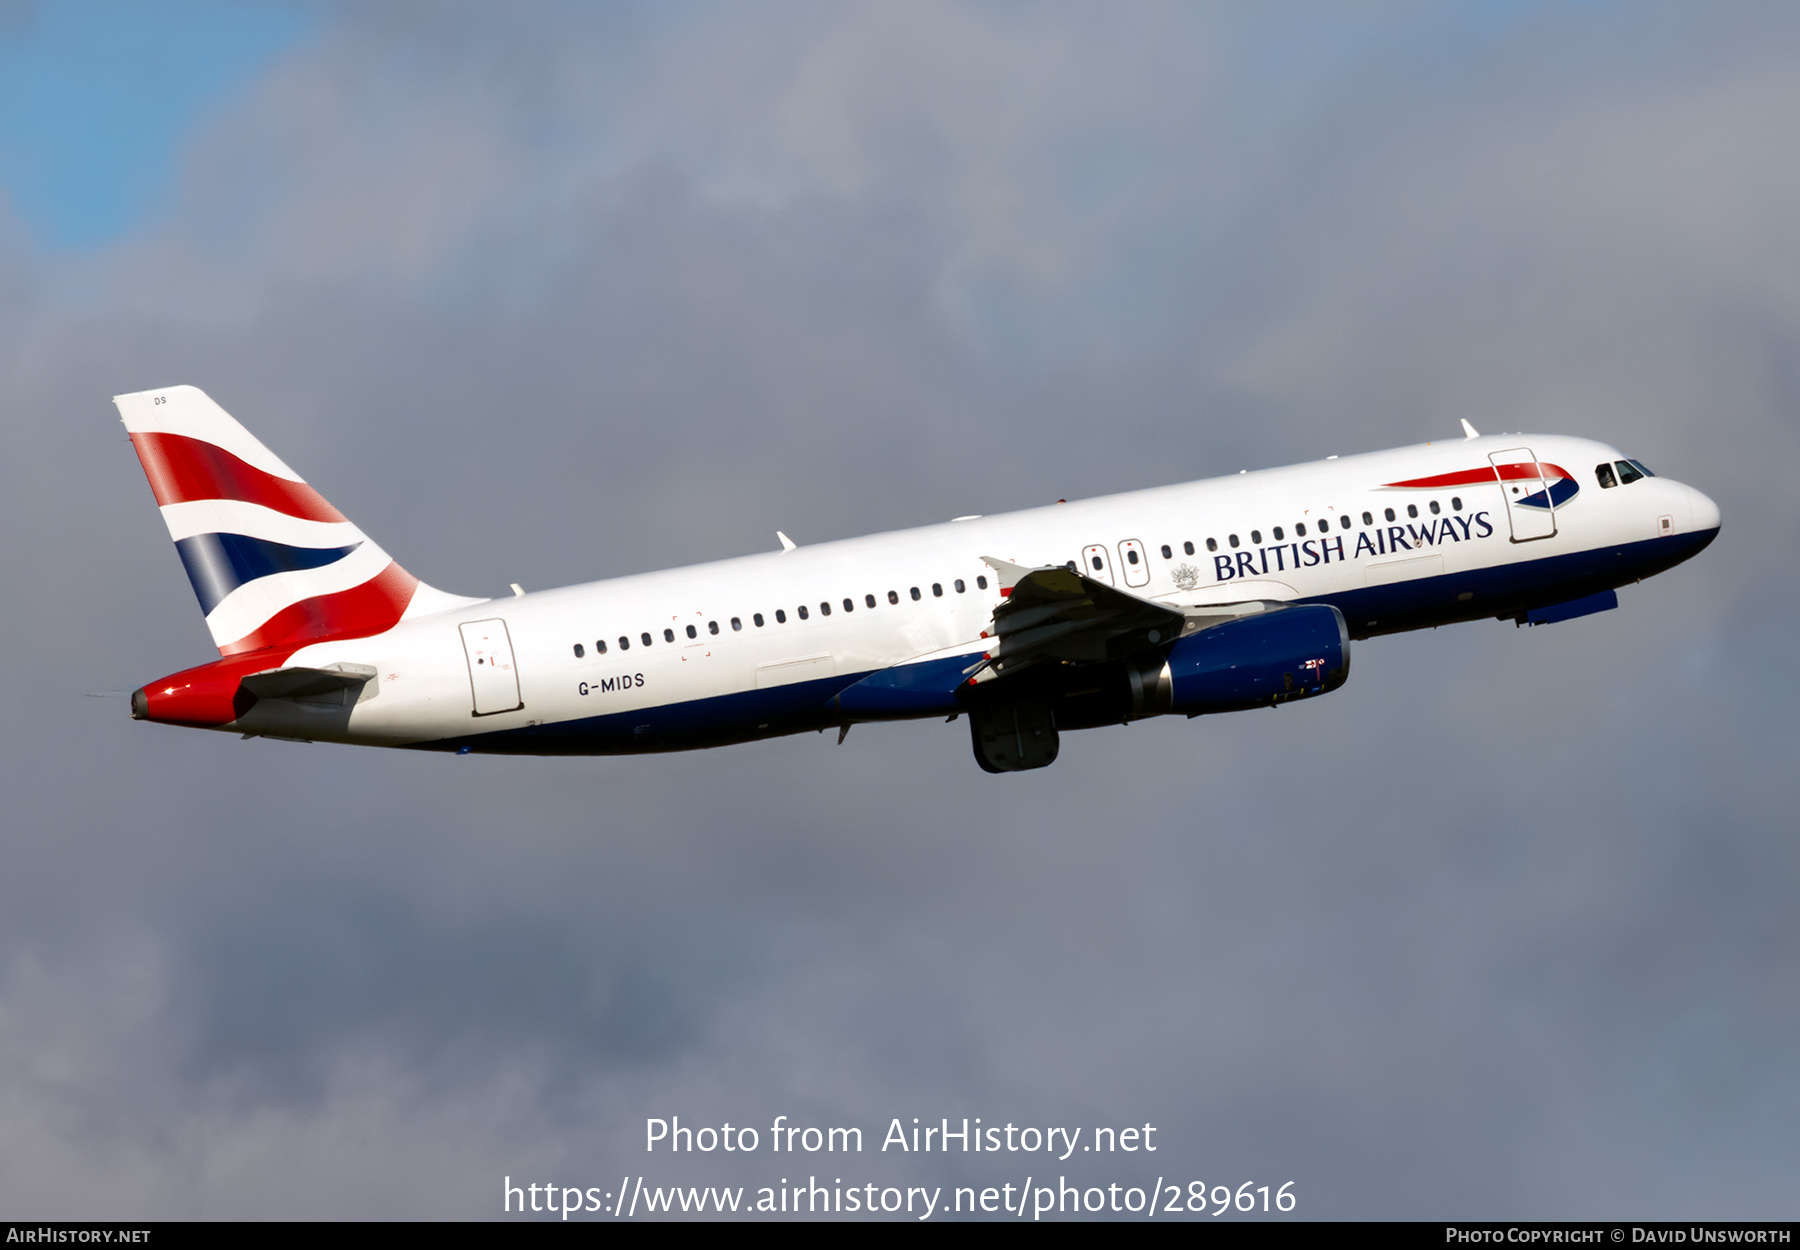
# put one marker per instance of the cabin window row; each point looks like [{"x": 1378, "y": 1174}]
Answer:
[
  {"x": 646, "y": 638},
  {"x": 1279, "y": 533}
]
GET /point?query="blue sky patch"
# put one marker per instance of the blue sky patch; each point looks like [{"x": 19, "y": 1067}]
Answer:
[{"x": 98, "y": 96}]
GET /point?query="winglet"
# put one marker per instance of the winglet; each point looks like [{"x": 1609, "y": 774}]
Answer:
[
  {"x": 787, "y": 544},
  {"x": 1469, "y": 431}
]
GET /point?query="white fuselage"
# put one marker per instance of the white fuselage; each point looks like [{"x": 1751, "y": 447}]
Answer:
[{"x": 1249, "y": 536}]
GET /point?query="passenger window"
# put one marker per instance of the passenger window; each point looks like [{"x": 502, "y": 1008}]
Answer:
[
  {"x": 801, "y": 610},
  {"x": 780, "y": 616},
  {"x": 1388, "y": 513},
  {"x": 849, "y": 605},
  {"x": 1639, "y": 466},
  {"x": 1412, "y": 509},
  {"x": 1212, "y": 544},
  {"x": 1278, "y": 533},
  {"x": 1167, "y": 554},
  {"x": 1097, "y": 563},
  {"x": 960, "y": 588},
  {"x": 1456, "y": 503},
  {"x": 1131, "y": 555},
  {"x": 893, "y": 596},
  {"x": 1627, "y": 474},
  {"x": 692, "y": 632},
  {"x": 937, "y": 590},
  {"x": 1232, "y": 539},
  {"x": 1189, "y": 547},
  {"x": 712, "y": 627},
  {"x": 756, "y": 617},
  {"x": 624, "y": 643},
  {"x": 1344, "y": 522},
  {"x": 869, "y": 600},
  {"x": 1300, "y": 529},
  {"x": 580, "y": 650},
  {"x": 600, "y": 646},
  {"x": 668, "y": 635},
  {"x": 1605, "y": 474},
  {"x": 645, "y": 636},
  {"x": 1256, "y": 537},
  {"x": 825, "y": 608},
  {"x": 915, "y": 594},
  {"x": 1434, "y": 508},
  {"x": 737, "y": 625},
  {"x": 1369, "y": 520},
  {"x": 981, "y": 582}
]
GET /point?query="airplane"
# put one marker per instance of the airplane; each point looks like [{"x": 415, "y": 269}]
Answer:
[{"x": 1215, "y": 596}]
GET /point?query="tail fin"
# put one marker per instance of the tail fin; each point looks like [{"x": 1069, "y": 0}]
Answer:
[{"x": 273, "y": 564}]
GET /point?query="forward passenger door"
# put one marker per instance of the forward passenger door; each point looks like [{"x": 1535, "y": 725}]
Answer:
[{"x": 1527, "y": 494}]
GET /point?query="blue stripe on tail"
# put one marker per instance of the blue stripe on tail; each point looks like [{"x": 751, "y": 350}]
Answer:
[{"x": 218, "y": 564}]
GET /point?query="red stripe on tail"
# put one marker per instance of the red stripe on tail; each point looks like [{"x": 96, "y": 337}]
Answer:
[
  {"x": 183, "y": 469},
  {"x": 371, "y": 608}
]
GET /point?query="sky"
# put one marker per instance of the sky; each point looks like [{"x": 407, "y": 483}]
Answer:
[{"x": 1503, "y": 929}]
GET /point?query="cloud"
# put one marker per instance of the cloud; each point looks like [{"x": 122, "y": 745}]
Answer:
[{"x": 1501, "y": 929}]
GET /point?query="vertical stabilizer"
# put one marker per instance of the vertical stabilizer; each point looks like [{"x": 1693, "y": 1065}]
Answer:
[{"x": 272, "y": 563}]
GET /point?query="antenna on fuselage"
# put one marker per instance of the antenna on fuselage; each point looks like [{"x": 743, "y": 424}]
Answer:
[
  {"x": 787, "y": 544},
  {"x": 1469, "y": 431}
]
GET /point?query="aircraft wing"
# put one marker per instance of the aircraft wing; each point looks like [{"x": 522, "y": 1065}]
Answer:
[{"x": 1058, "y": 613}]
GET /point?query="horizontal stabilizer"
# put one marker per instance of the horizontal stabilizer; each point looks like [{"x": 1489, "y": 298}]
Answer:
[{"x": 307, "y": 683}]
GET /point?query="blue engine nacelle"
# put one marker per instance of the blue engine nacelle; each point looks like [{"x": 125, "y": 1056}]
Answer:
[{"x": 1254, "y": 661}]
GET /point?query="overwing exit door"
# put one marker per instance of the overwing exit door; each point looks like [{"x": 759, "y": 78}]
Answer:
[
  {"x": 1134, "y": 562},
  {"x": 1527, "y": 494},
  {"x": 1097, "y": 564},
  {"x": 493, "y": 679}
]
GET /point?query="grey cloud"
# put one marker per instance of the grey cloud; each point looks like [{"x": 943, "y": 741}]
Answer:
[{"x": 1501, "y": 929}]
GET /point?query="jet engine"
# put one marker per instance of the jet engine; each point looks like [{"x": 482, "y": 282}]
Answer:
[{"x": 1253, "y": 661}]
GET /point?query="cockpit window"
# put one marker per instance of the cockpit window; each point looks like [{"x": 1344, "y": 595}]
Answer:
[
  {"x": 1639, "y": 466},
  {"x": 1605, "y": 474},
  {"x": 1627, "y": 474}
]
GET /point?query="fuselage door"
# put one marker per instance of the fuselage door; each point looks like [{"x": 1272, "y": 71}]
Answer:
[
  {"x": 1134, "y": 562},
  {"x": 1097, "y": 564},
  {"x": 1527, "y": 494},
  {"x": 493, "y": 678}
]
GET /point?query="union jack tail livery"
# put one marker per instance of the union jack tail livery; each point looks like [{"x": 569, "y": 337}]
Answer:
[{"x": 273, "y": 564}]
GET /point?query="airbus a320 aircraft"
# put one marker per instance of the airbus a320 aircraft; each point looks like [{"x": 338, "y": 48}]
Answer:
[{"x": 1216, "y": 596}]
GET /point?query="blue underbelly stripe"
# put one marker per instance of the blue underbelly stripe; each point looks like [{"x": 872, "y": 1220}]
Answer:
[{"x": 806, "y": 705}]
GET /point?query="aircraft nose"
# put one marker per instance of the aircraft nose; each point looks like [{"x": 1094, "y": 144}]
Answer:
[{"x": 1704, "y": 511}]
